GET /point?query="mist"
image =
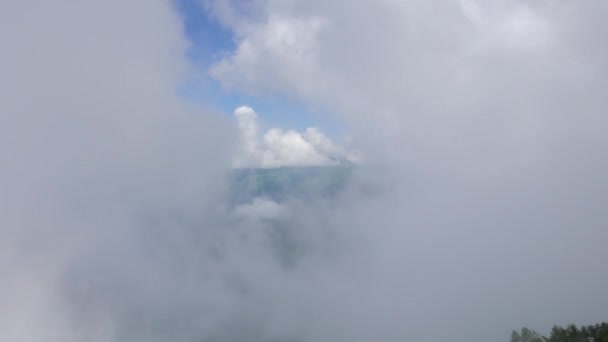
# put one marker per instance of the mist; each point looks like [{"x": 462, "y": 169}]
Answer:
[{"x": 478, "y": 206}]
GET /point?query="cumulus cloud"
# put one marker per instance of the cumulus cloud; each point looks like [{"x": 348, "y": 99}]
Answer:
[{"x": 278, "y": 148}]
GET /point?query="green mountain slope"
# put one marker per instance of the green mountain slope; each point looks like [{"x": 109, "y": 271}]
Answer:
[{"x": 283, "y": 183}]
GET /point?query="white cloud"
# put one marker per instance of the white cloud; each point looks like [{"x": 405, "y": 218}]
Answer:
[
  {"x": 261, "y": 209},
  {"x": 288, "y": 46},
  {"x": 96, "y": 148},
  {"x": 487, "y": 168},
  {"x": 278, "y": 148},
  {"x": 486, "y": 120},
  {"x": 501, "y": 25}
]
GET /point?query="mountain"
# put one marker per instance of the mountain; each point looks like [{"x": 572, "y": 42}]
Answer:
[{"x": 280, "y": 184}]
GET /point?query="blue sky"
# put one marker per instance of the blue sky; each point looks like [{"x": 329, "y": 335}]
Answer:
[{"x": 209, "y": 40}]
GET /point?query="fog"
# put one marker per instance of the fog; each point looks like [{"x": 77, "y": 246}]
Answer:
[{"x": 478, "y": 206}]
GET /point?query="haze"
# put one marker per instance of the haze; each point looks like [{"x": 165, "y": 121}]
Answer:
[{"x": 478, "y": 205}]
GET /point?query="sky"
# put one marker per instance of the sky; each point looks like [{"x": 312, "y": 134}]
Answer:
[
  {"x": 209, "y": 41},
  {"x": 477, "y": 206}
]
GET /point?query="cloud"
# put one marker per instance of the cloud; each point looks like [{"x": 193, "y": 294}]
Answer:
[
  {"x": 278, "y": 148},
  {"x": 508, "y": 27},
  {"x": 481, "y": 120},
  {"x": 260, "y": 209},
  {"x": 479, "y": 208},
  {"x": 289, "y": 41},
  {"x": 101, "y": 161}
]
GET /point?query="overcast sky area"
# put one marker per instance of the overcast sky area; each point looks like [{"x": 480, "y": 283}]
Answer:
[{"x": 478, "y": 205}]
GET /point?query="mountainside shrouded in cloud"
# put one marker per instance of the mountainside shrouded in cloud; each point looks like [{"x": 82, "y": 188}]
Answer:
[
  {"x": 480, "y": 207},
  {"x": 281, "y": 184}
]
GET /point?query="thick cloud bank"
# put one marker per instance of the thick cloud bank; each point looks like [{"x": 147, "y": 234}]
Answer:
[
  {"x": 103, "y": 170},
  {"x": 278, "y": 148},
  {"x": 480, "y": 208},
  {"x": 484, "y": 121}
]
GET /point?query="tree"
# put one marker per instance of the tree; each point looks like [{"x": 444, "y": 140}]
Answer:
[
  {"x": 527, "y": 335},
  {"x": 571, "y": 333}
]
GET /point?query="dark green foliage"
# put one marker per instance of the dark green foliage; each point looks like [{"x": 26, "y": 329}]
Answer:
[
  {"x": 590, "y": 333},
  {"x": 527, "y": 335},
  {"x": 571, "y": 333}
]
